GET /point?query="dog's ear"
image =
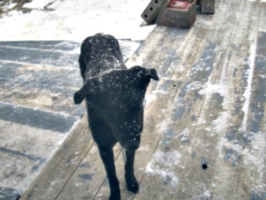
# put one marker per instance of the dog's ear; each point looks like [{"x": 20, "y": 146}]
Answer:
[
  {"x": 78, "y": 97},
  {"x": 88, "y": 88},
  {"x": 144, "y": 73},
  {"x": 152, "y": 73}
]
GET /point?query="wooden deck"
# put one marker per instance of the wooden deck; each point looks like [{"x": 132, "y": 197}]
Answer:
[{"x": 204, "y": 135}]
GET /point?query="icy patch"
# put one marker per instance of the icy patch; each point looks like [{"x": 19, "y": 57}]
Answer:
[
  {"x": 163, "y": 161},
  {"x": 262, "y": 76},
  {"x": 185, "y": 135},
  {"x": 221, "y": 123},
  {"x": 144, "y": 148},
  {"x": 163, "y": 126},
  {"x": 205, "y": 195},
  {"x": 247, "y": 93},
  {"x": 194, "y": 86},
  {"x": 209, "y": 89},
  {"x": 202, "y": 120},
  {"x": 163, "y": 164},
  {"x": 179, "y": 68},
  {"x": 161, "y": 91},
  {"x": 79, "y": 184},
  {"x": 149, "y": 98},
  {"x": 94, "y": 149},
  {"x": 252, "y": 156},
  {"x": 257, "y": 148}
]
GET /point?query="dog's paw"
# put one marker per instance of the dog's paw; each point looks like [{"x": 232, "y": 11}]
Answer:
[
  {"x": 132, "y": 185},
  {"x": 115, "y": 192},
  {"x": 115, "y": 197}
]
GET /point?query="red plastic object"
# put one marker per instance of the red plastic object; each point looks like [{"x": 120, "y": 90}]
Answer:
[
  {"x": 178, "y": 13},
  {"x": 175, "y": 4}
]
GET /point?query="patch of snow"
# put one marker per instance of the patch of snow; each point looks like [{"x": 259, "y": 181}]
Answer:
[
  {"x": 195, "y": 85},
  {"x": 149, "y": 98},
  {"x": 144, "y": 148},
  {"x": 209, "y": 89},
  {"x": 247, "y": 93},
  {"x": 252, "y": 156},
  {"x": 166, "y": 160},
  {"x": 163, "y": 126},
  {"x": 94, "y": 149},
  {"x": 78, "y": 184},
  {"x": 163, "y": 164},
  {"x": 185, "y": 135},
  {"x": 222, "y": 122},
  {"x": 180, "y": 68},
  {"x": 75, "y": 20},
  {"x": 158, "y": 91},
  {"x": 223, "y": 90},
  {"x": 38, "y": 4},
  {"x": 201, "y": 120}
]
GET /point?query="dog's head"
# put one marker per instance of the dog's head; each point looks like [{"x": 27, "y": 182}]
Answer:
[{"x": 118, "y": 97}]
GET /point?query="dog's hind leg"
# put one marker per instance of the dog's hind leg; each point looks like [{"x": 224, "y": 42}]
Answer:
[
  {"x": 132, "y": 183},
  {"x": 107, "y": 156}
]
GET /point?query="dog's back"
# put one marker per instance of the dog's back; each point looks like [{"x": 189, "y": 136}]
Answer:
[{"x": 98, "y": 54}]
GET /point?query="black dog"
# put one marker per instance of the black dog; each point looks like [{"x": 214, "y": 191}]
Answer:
[{"x": 114, "y": 98}]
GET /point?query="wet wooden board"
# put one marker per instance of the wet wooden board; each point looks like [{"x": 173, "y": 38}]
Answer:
[
  {"x": 60, "y": 168},
  {"x": 204, "y": 134},
  {"x": 220, "y": 107}
]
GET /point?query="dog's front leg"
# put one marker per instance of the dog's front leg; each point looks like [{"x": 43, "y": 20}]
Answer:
[
  {"x": 107, "y": 156},
  {"x": 132, "y": 183}
]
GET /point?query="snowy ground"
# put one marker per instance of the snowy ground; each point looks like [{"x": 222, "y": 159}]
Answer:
[{"x": 75, "y": 20}]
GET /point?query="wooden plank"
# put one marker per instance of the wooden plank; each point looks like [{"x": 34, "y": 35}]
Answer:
[
  {"x": 145, "y": 50},
  {"x": 185, "y": 109},
  {"x": 162, "y": 63},
  {"x": 256, "y": 126},
  {"x": 174, "y": 142},
  {"x": 229, "y": 113},
  {"x": 207, "y": 6},
  {"x": 200, "y": 76},
  {"x": 232, "y": 171},
  {"x": 89, "y": 176},
  {"x": 220, "y": 107},
  {"x": 59, "y": 169},
  {"x": 156, "y": 181},
  {"x": 262, "y": 18}
]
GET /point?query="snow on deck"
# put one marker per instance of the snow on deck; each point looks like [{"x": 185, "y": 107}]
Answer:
[
  {"x": 204, "y": 134},
  {"x": 75, "y": 20}
]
